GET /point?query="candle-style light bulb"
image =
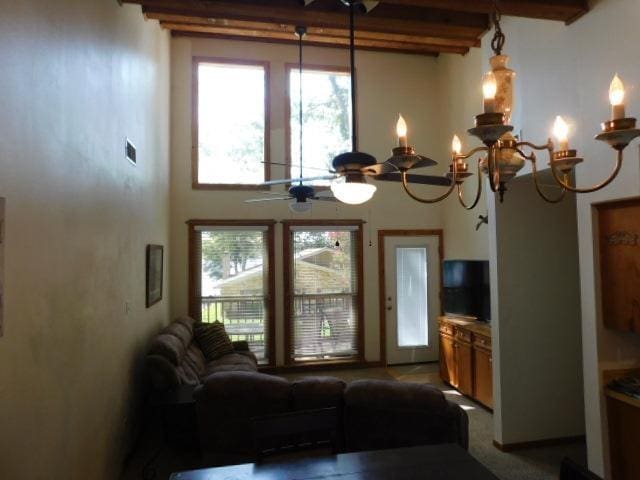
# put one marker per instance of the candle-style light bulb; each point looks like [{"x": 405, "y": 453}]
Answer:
[
  {"x": 401, "y": 130},
  {"x": 456, "y": 145},
  {"x": 616, "y": 97},
  {"x": 489, "y": 89},
  {"x": 561, "y": 132}
]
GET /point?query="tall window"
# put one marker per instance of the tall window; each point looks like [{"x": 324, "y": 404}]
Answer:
[
  {"x": 323, "y": 291},
  {"x": 326, "y": 115},
  {"x": 231, "y": 280},
  {"x": 230, "y": 123}
]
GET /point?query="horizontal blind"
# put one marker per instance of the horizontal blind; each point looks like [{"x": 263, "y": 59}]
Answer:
[
  {"x": 325, "y": 294},
  {"x": 233, "y": 283}
]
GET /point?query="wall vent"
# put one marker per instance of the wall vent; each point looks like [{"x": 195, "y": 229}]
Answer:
[{"x": 130, "y": 151}]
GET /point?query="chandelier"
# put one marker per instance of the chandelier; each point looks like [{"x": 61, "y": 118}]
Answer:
[{"x": 503, "y": 155}]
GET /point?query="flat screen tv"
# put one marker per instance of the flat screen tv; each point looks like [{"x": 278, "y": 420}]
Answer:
[{"x": 466, "y": 289}]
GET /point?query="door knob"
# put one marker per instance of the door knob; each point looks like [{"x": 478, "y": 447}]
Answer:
[{"x": 389, "y": 307}]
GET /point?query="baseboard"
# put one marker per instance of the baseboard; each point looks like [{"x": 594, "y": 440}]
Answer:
[
  {"x": 311, "y": 367},
  {"x": 510, "y": 447}
]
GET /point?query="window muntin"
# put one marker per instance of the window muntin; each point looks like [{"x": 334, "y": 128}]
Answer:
[
  {"x": 326, "y": 113},
  {"x": 231, "y": 123},
  {"x": 233, "y": 283},
  {"x": 324, "y": 318}
]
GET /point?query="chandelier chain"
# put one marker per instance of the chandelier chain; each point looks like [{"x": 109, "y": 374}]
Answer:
[{"x": 497, "y": 42}]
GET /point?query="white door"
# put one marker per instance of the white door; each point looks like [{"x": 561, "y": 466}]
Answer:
[{"x": 412, "y": 298}]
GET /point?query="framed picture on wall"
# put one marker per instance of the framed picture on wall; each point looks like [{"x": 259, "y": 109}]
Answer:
[{"x": 154, "y": 274}]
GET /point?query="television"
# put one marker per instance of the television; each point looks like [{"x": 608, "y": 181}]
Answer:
[{"x": 466, "y": 289}]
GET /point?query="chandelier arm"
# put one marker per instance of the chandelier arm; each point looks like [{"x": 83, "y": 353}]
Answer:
[
  {"x": 471, "y": 153},
  {"x": 478, "y": 193},
  {"x": 405, "y": 184},
  {"x": 548, "y": 146},
  {"x": 614, "y": 174},
  {"x": 534, "y": 168},
  {"x": 493, "y": 170}
]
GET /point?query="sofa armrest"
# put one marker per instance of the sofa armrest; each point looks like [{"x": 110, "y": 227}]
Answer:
[{"x": 241, "y": 346}]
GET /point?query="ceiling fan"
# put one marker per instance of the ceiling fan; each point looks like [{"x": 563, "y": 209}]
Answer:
[
  {"x": 351, "y": 169},
  {"x": 300, "y": 193}
]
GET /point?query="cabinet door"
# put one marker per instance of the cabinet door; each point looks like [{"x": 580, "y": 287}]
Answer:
[
  {"x": 464, "y": 364},
  {"x": 484, "y": 377},
  {"x": 447, "y": 361}
]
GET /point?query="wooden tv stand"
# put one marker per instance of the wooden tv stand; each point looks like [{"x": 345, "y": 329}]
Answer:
[{"x": 465, "y": 358}]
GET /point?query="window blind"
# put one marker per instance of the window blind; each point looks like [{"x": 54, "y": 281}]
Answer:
[
  {"x": 324, "y": 292},
  {"x": 233, "y": 287}
]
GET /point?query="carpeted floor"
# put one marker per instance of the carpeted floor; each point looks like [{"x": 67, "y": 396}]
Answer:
[{"x": 531, "y": 464}]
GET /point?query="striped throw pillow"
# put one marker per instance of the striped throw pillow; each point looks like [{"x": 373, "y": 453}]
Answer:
[{"x": 213, "y": 340}]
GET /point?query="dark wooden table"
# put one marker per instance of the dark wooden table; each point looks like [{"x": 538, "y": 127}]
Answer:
[{"x": 429, "y": 462}]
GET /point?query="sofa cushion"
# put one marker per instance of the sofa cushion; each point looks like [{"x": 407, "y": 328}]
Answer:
[
  {"x": 195, "y": 358},
  {"x": 169, "y": 347},
  {"x": 180, "y": 331},
  {"x": 391, "y": 394},
  {"x": 231, "y": 362},
  {"x": 317, "y": 392},
  {"x": 213, "y": 340}
]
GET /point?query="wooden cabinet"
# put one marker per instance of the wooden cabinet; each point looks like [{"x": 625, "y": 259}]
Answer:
[
  {"x": 465, "y": 358},
  {"x": 483, "y": 374},
  {"x": 447, "y": 360},
  {"x": 464, "y": 367}
]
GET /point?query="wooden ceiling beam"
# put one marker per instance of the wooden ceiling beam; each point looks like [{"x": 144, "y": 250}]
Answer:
[
  {"x": 289, "y": 30},
  {"x": 272, "y": 36},
  {"x": 384, "y": 18},
  {"x": 562, "y": 10}
]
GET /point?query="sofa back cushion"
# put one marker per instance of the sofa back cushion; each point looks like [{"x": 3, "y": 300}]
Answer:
[
  {"x": 311, "y": 393},
  {"x": 225, "y": 403},
  {"x": 388, "y": 414}
]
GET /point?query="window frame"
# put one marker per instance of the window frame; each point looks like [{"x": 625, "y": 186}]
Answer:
[
  {"x": 196, "y": 61},
  {"x": 195, "y": 272},
  {"x": 289, "y": 67},
  {"x": 287, "y": 244}
]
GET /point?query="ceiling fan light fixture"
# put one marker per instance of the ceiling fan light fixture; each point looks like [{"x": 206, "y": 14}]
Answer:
[
  {"x": 352, "y": 189},
  {"x": 300, "y": 207}
]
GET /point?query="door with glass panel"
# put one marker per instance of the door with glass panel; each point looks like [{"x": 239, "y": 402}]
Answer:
[{"x": 412, "y": 298}]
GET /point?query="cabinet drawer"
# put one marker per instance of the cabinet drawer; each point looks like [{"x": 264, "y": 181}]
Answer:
[
  {"x": 463, "y": 335},
  {"x": 446, "y": 328},
  {"x": 482, "y": 341}
]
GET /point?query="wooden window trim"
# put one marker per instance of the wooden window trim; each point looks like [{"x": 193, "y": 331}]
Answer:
[
  {"x": 196, "y": 61},
  {"x": 382, "y": 235},
  {"x": 288, "y": 283},
  {"x": 289, "y": 67},
  {"x": 195, "y": 272}
]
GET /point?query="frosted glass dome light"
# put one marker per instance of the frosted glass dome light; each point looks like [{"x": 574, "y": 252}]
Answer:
[
  {"x": 351, "y": 191},
  {"x": 300, "y": 207}
]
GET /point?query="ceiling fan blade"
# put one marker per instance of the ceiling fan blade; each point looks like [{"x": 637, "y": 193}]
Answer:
[
  {"x": 257, "y": 200},
  {"x": 378, "y": 169},
  {"x": 281, "y": 164},
  {"x": 298, "y": 180},
  {"x": 325, "y": 199},
  {"x": 421, "y": 179}
]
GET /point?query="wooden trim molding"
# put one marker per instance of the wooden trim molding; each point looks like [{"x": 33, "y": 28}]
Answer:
[
  {"x": 382, "y": 234},
  {"x": 195, "y": 272},
  {"x": 195, "y": 184},
  {"x": 288, "y": 284}
]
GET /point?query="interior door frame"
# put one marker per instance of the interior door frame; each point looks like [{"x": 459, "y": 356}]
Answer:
[{"x": 382, "y": 235}]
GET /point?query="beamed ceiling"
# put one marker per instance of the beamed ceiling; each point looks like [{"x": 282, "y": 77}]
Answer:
[{"x": 423, "y": 27}]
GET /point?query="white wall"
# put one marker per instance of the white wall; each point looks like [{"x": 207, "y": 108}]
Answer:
[
  {"x": 536, "y": 329},
  {"x": 77, "y": 78},
  {"x": 388, "y": 84}
]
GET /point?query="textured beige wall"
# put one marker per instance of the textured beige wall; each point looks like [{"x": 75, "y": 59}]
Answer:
[
  {"x": 77, "y": 78},
  {"x": 388, "y": 84}
]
